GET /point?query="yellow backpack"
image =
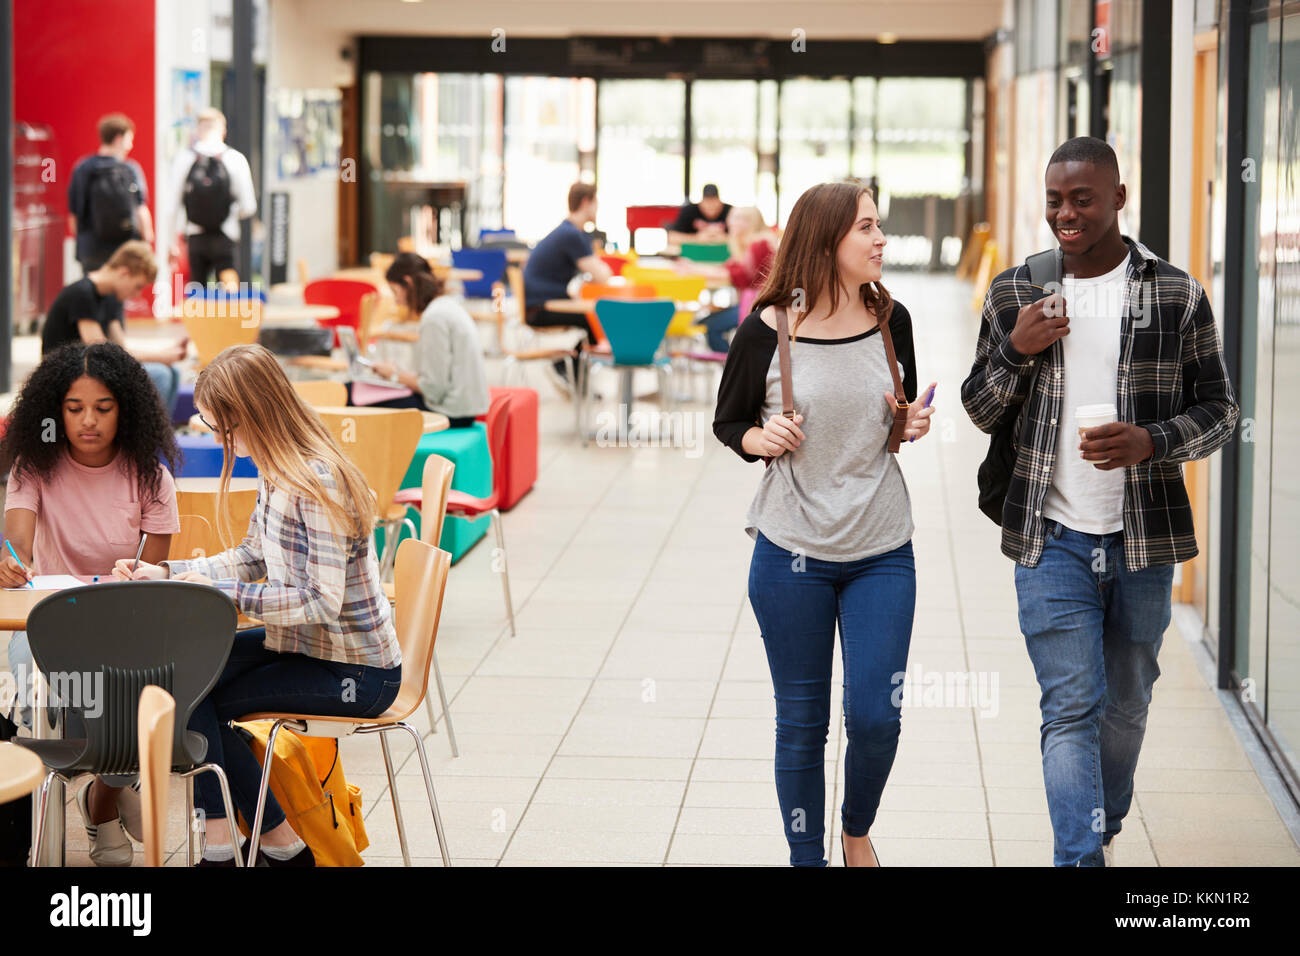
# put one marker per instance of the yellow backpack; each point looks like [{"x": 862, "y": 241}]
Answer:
[{"x": 307, "y": 780}]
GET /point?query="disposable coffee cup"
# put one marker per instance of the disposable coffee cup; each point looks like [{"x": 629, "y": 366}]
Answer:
[{"x": 1090, "y": 416}]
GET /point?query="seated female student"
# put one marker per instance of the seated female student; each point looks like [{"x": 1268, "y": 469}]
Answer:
[
  {"x": 327, "y": 619},
  {"x": 753, "y": 246},
  {"x": 84, "y": 444},
  {"x": 446, "y": 372}
]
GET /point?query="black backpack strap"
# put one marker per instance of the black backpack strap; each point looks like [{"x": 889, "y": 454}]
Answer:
[{"x": 1045, "y": 268}]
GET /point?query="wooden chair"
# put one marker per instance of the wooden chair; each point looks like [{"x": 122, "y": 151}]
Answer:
[
  {"x": 421, "y": 575},
  {"x": 321, "y": 392},
  {"x": 194, "y": 541},
  {"x": 381, "y": 442},
  {"x": 215, "y": 326},
  {"x": 155, "y": 725},
  {"x": 380, "y": 261},
  {"x": 435, "y": 485},
  {"x": 304, "y": 274},
  {"x": 200, "y": 535}
]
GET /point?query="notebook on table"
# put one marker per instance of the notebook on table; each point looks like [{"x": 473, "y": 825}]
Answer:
[{"x": 374, "y": 387}]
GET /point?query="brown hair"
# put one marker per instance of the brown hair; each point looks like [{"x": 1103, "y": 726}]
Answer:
[
  {"x": 411, "y": 271},
  {"x": 245, "y": 387},
  {"x": 580, "y": 193},
  {"x": 114, "y": 125},
  {"x": 805, "y": 260},
  {"x": 136, "y": 257}
]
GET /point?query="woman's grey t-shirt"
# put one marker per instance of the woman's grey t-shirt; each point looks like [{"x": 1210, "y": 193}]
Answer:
[
  {"x": 449, "y": 361},
  {"x": 841, "y": 495}
]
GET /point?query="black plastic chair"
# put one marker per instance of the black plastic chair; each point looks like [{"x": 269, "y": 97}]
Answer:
[{"x": 98, "y": 647}]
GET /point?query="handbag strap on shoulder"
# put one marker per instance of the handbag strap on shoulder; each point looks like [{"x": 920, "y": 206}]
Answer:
[{"x": 783, "y": 352}]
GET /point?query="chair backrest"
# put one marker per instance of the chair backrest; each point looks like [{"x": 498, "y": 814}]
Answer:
[
  {"x": 344, "y": 294},
  {"x": 635, "y": 328},
  {"x": 498, "y": 420},
  {"x": 102, "y": 644},
  {"x": 380, "y": 261},
  {"x": 321, "y": 391},
  {"x": 156, "y": 723},
  {"x": 491, "y": 262},
  {"x": 706, "y": 251},
  {"x": 380, "y": 441},
  {"x": 214, "y": 326},
  {"x": 196, "y": 534},
  {"x": 304, "y": 273},
  {"x": 667, "y": 283},
  {"x": 420, "y": 581},
  {"x": 616, "y": 263},
  {"x": 650, "y": 217},
  {"x": 369, "y": 308},
  {"x": 435, "y": 483},
  {"x": 604, "y": 290},
  {"x": 488, "y": 234}
]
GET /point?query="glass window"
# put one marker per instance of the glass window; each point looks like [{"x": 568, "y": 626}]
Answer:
[
  {"x": 640, "y": 153},
  {"x": 724, "y": 134},
  {"x": 549, "y": 131},
  {"x": 814, "y": 135}
]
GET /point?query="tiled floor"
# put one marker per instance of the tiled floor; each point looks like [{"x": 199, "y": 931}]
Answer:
[{"x": 631, "y": 719}]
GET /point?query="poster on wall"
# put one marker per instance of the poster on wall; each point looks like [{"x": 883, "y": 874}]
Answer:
[
  {"x": 308, "y": 131},
  {"x": 186, "y": 100}
]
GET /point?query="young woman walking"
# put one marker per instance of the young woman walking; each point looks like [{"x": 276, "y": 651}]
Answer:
[{"x": 832, "y": 519}]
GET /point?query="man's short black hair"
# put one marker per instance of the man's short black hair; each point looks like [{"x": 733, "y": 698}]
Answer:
[{"x": 1087, "y": 149}]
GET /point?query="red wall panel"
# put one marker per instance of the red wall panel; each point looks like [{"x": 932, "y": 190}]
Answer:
[{"x": 74, "y": 61}]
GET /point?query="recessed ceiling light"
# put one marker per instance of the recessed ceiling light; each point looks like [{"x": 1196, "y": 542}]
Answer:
[{"x": 887, "y": 38}]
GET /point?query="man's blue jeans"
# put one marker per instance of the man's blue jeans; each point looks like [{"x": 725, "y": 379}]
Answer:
[
  {"x": 1093, "y": 629},
  {"x": 167, "y": 380},
  {"x": 797, "y": 601},
  {"x": 259, "y": 680}
]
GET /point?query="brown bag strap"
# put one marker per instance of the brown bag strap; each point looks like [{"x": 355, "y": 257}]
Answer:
[
  {"x": 783, "y": 351},
  {"x": 900, "y": 416},
  {"x": 787, "y": 388}
]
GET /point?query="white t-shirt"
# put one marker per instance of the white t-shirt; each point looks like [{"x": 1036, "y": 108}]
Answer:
[
  {"x": 1081, "y": 496},
  {"x": 244, "y": 199}
]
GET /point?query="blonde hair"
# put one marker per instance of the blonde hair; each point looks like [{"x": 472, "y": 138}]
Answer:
[
  {"x": 245, "y": 387},
  {"x": 136, "y": 257},
  {"x": 749, "y": 224},
  {"x": 209, "y": 118}
]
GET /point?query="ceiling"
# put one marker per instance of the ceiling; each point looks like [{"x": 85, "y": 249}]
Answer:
[{"x": 818, "y": 19}]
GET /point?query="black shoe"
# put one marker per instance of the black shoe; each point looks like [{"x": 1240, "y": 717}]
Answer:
[{"x": 303, "y": 857}]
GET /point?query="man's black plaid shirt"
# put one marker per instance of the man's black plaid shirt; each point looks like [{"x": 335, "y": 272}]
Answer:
[{"x": 1171, "y": 380}]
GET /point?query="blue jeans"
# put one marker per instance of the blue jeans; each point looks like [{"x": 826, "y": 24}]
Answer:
[
  {"x": 1093, "y": 629},
  {"x": 167, "y": 380},
  {"x": 256, "y": 679},
  {"x": 797, "y": 601},
  {"x": 21, "y": 667},
  {"x": 724, "y": 320}
]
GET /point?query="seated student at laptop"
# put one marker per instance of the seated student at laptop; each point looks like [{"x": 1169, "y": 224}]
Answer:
[{"x": 448, "y": 375}]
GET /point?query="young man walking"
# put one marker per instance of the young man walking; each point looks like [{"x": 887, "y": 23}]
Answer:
[
  {"x": 1096, "y": 520},
  {"x": 212, "y": 186},
  {"x": 108, "y": 200}
]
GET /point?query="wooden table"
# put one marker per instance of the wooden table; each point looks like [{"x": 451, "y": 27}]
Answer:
[{"x": 16, "y": 605}]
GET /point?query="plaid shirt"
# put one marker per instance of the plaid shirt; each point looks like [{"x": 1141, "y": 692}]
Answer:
[
  {"x": 322, "y": 595},
  {"x": 1171, "y": 381}
]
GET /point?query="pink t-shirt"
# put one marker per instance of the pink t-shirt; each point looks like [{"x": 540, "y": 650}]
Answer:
[{"x": 87, "y": 518}]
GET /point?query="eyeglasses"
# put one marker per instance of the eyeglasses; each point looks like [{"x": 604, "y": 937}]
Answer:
[{"x": 213, "y": 428}]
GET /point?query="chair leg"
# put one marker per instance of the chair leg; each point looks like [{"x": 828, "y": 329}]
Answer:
[
  {"x": 392, "y": 792},
  {"x": 505, "y": 568},
  {"x": 224, "y": 783},
  {"x": 582, "y": 389},
  {"x": 409, "y": 525},
  {"x": 428, "y": 786},
  {"x": 446, "y": 710},
  {"x": 42, "y": 808},
  {"x": 255, "y": 838},
  {"x": 189, "y": 822}
]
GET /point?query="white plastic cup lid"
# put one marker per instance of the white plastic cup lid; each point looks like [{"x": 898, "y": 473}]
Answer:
[{"x": 1095, "y": 411}]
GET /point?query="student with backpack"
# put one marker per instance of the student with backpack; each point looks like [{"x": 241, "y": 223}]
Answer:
[
  {"x": 108, "y": 201},
  {"x": 820, "y": 382},
  {"x": 306, "y": 568},
  {"x": 84, "y": 448},
  {"x": 213, "y": 188},
  {"x": 1096, "y": 391}
]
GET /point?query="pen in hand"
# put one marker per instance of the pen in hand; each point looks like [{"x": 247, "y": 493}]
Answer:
[
  {"x": 29, "y": 583},
  {"x": 139, "y": 551}
]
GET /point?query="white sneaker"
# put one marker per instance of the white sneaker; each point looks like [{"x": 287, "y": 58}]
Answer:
[
  {"x": 1108, "y": 852},
  {"x": 130, "y": 813},
  {"x": 108, "y": 843}
]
